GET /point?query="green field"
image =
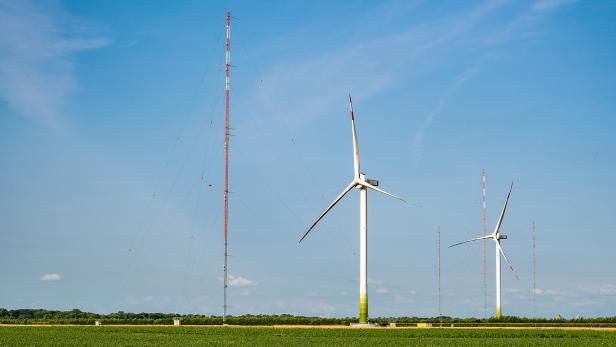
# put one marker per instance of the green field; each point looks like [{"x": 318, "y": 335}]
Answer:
[{"x": 218, "y": 336}]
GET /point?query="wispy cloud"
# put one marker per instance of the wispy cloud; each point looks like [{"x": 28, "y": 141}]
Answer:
[
  {"x": 141, "y": 300},
  {"x": 245, "y": 292},
  {"x": 417, "y": 141},
  {"x": 605, "y": 289},
  {"x": 378, "y": 286},
  {"x": 577, "y": 300},
  {"x": 51, "y": 277},
  {"x": 381, "y": 290},
  {"x": 364, "y": 67},
  {"x": 238, "y": 281},
  {"x": 303, "y": 89},
  {"x": 551, "y": 4},
  {"x": 550, "y": 292},
  {"x": 38, "y": 44}
]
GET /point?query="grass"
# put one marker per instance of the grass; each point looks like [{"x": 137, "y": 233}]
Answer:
[{"x": 218, "y": 336}]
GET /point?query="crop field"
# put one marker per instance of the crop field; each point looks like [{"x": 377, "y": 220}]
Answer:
[{"x": 232, "y": 336}]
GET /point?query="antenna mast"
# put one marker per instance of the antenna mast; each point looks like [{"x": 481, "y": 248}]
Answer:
[
  {"x": 485, "y": 227},
  {"x": 534, "y": 273},
  {"x": 226, "y": 191},
  {"x": 440, "y": 307}
]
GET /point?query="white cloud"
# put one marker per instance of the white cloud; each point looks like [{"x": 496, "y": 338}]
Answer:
[
  {"x": 382, "y": 290},
  {"x": 550, "y": 292},
  {"x": 608, "y": 289},
  {"x": 378, "y": 286},
  {"x": 605, "y": 289},
  {"x": 37, "y": 48},
  {"x": 238, "y": 281},
  {"x": 51, "y": 277}
]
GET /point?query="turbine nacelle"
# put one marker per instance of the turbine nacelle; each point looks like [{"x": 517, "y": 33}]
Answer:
[
  {"x": 362, "y": 177},
  {"x": 373, "y": 182}
]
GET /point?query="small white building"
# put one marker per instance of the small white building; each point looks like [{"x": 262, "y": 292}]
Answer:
[
  {"x": 177, "y": 322},
  {"x": 98, "y": 322},
  {"x": 392, "y": 324}
]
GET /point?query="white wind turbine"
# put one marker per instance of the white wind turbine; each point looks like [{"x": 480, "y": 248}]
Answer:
[
  {"x": 496, "y": 236},
  {"x": 362, "y": 183}
]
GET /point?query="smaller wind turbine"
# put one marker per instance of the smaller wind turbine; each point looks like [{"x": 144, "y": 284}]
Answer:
[{"x": 496, "y": 236}]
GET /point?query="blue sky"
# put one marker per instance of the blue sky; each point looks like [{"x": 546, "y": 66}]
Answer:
[{"x": 111, "y": 134}]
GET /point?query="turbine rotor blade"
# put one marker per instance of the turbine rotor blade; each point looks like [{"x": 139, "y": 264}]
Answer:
[
  {"x": 368, "y": 185},
  {"x": 471, "y": 240},
  {"x": 346, "y": 190},
  {"x": 355, "y": 144},
  {"x": 500, "y": 219},
  {"x": 507, "y": 260}
]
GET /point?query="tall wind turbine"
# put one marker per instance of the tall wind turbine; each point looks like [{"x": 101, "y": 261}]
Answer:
[
  {"x": 496, "y": 236},
  {"x": 362, "y": 183}
]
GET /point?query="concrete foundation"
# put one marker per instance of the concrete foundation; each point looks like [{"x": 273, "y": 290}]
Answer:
[{"x": 364, "y": 325}]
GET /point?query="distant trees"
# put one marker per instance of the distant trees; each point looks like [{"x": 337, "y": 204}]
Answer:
[{"x": 75, "y": 316}]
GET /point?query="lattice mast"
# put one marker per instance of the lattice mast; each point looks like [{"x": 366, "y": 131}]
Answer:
[
  {"x": 226, "y": 191},
  {"x": 534, "y": 272},
  {"x": 440, "y": 306},
  {"x": 485, "y": 230}
]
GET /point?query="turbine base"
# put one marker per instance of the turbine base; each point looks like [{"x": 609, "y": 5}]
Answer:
[{"x": 364, "y": 325}]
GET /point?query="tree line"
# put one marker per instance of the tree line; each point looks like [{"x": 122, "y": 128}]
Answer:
[{"x": 75, "y": 316}]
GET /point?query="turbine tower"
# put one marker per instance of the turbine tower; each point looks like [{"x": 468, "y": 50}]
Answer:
[
  {"x": 363, "y": 184},
  {"x": 496, "y": 236}
]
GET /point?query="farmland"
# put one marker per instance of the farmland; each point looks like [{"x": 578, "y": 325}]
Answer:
[{"x": 274, "y": 336}]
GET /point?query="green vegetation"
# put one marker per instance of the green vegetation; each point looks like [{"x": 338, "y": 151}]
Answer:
[
  {"x": 77, "y": 317},
  {"x": 214, "y": 336}
]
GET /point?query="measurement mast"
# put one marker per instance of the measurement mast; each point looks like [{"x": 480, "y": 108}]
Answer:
[
  {"x": 226, "y": 191},
  {"x": 485, "y": 230},
  {"x": 534, "y": 272}
]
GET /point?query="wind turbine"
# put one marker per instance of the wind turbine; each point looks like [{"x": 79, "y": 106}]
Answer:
[
  {"x": 496, "y": 236},
  {"x": 363, "y": 184}
]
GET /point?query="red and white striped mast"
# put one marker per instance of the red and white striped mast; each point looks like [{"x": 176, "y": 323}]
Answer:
[
  {"x": 485, "y": 227},
  {"x": 226, "y": 191}
]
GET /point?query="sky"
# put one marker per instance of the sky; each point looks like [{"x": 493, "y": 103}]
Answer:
[{"x": 111, "y": 155}]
